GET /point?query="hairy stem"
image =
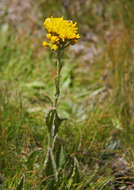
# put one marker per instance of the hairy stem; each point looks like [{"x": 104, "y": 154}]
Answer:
[{"x": 57, "y": 80}]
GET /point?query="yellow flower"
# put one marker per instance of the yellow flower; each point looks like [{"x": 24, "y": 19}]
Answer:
[
  {"x": 54, "y": 39},
  {"x": 45, "y": 44},
  {"x": 48, "y": 36},
  {"x": 54, "y": 47},
  {"x": 61, "y": 33}
]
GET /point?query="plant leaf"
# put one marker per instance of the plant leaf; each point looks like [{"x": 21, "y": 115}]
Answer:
[
  {"x": 21, "y": 183},
  {"x": 54, "y": 165},
  {"x": 32, "y": 158},
  {"x": 62, "y": 157},
  {"x": 53, "y": 121},
  {"x": 57, "y": 123},
  {"x": 50, "y": 119}
]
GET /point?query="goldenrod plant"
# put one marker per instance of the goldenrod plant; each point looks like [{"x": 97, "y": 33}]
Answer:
[
  {"x": 61, "y": 34},
  {"x": 96, "y": 96}
]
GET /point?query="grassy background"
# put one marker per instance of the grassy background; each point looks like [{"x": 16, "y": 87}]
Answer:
[{"x": 97, "y": 95}]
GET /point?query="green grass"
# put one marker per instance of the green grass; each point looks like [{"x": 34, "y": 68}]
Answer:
[{"x": 96, "y": 98}]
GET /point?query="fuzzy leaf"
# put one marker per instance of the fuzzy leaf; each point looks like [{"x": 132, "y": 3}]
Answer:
[
  {"x": 50, "y": 119},
  {"x": 54, "y": 165},
  {"x": 57, "y": 123},
  {"x": 53, "y": 121},
  {"x": 62, "y": 157},
  {"x": 48, "y": 165}
]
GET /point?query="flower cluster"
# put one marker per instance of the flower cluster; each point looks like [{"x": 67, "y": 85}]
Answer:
[{"x": 61, "y": 33}]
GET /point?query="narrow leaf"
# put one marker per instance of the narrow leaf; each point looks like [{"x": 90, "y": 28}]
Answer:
[
  {"x": 21, "y": 183},
  {"x": 50, "y": 119},
  {"x": 54, "y": 165},
  {"x": 32, "y": 158},
  {"x": 62, "y": 157},
  {"x": 57, "y": 123}
]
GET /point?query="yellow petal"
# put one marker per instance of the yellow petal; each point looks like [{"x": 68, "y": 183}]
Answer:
[
  {"x": 54, "y": 47},
  {"x": 45, "y": 44}
]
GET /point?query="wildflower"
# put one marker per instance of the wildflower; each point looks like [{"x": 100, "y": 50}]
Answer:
[
  {"x": 61, "y": 33},
  {"x": 45, "y": 44},
  {"x": 54, "y": 47},
  {"x": 54, "y": 39},
  {"x": 48, "y": 36}
]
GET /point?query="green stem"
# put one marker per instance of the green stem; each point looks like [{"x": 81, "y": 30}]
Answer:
[
  {"x": 53, "y": 121},
  {"x": 57, "y": 80}
]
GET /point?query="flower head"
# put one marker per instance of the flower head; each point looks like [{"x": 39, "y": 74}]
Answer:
[
  {"x": 45, "y": 44},
  {"x": 54, "y": 47},
  {"x": 61, "y": 33}
]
